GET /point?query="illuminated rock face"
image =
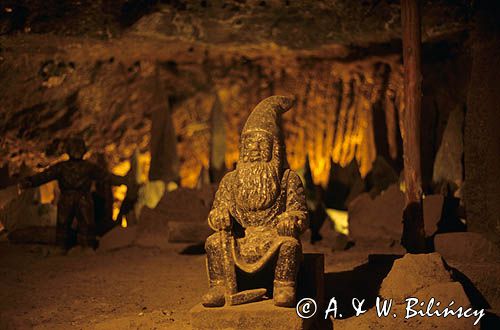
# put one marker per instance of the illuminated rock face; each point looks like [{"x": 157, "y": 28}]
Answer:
[
  {"x": 334, "y": 119},
  {"x": 301, "y": 24},
  {"x": 336, "y": 105},
  {"x": 56, "y": 84}
]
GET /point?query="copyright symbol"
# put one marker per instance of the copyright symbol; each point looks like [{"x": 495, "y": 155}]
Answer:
[{"x": 306, "y": 308}]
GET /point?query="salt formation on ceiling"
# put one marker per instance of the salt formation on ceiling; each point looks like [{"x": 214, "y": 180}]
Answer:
[
  {"x": 111, "y": 104},
  {"x": 103, "y": 75},
  {"x": 333, "y": 117}
]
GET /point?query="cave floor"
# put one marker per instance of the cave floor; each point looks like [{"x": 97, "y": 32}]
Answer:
[{"x": 129, "y": 288}]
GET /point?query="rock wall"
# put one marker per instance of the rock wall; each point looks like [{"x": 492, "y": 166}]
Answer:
[
  {"x": 100, "y": 69},
  {"x": 110, "y": 101},
  {"x": 294, "y": 24},
  {"x": 482, "y": 137}
]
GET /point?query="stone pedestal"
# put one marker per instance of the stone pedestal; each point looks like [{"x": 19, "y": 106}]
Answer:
[
  {"x": 255, "y": 316},
  {"x": 310, "y": 280},
  {"x": 263, "y": 314}
]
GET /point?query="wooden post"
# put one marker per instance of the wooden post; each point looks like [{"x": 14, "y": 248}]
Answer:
[{"x": 413, "y": 238}]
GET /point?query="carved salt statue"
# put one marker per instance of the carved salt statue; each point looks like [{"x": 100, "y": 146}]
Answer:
[
  {"x": 258, "y": 214},
  {"x": 75, "y": 177}
]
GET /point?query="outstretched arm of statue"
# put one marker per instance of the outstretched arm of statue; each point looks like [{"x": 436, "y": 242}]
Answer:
[
  {"x": 219, "y": 217},
  {"x": 294, "y": 220},
  {"x": 101, "y": 174},
  {"x": 38, "y": 179}
]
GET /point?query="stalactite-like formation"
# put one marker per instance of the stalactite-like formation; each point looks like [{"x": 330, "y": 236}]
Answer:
[
  {"x": 334, "y": 119},
  {"x": 334, "y": 116},
  {"x": 110, "y": 103},
  {"x": 192, "y": 124}
]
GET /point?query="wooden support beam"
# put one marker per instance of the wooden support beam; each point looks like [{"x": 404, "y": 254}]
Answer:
[{"x": 413, "y": 238}]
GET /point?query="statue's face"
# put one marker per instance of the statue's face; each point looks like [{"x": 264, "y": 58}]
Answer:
[
  {"x": 76, "y": 148},
  {"x": 256, "y": 147}
]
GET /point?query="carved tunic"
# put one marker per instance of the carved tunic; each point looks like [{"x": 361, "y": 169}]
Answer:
[{"x": 261, "y": 240}]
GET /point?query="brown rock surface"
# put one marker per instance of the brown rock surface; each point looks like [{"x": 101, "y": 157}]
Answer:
[
  {"x": 186, "y": 205},
  {"x": 221, "y": 22},
  {"x": 481, "y": 133},
  {"x": 188, "y": 232},
  {"x": 413, "y": 273},
  {"x": 476, "y": 262},
  {"x": 480, "y": 281},
  {"x": 259, "y": 316},
  {"x": 379, "y": 218},
  {"x": 340, "y": 59},
  {"x": 138, "y": 288},
  {"x": 473, "y": 247},
  {"x": 433, "y": 209},
  {"x": 448, "y": 165},
  {"x": 152, "y": 229},
  {"x": 423, "y": 277},
  {"x": 370, "y": 320},
  {"x": 24, "y": 211},
  {"x": 33, "y": 235},
  {"x": 117, "y": 238}
]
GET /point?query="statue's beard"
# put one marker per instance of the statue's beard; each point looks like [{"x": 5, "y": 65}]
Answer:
[{"x": 258, "y": 184}]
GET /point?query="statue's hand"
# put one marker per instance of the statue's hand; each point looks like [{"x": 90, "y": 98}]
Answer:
[
  {"x": 287, "y": 226},
  {"x": 25, "y": 184},
  {"x": 219, "y": 219}
]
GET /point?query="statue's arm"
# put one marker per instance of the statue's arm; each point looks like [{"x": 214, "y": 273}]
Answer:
[
  {"x": 219, "y": 218},
  {"x": 36, "y": 180},
  {"x": 296, "y": 207},
  {"x": 101, "y": 174}
]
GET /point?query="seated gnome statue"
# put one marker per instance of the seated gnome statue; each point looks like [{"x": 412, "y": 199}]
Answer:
[{"x": 266, "y": 202}]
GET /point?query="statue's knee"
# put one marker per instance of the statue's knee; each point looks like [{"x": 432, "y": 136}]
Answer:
[
  {"x": 212, "y": 242},
  {"x": 291, "y": 244}
]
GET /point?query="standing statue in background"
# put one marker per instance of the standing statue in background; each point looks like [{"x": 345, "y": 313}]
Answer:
[
  {"x": 75, "y": 177},
  {"x": 258, "y": 214}
]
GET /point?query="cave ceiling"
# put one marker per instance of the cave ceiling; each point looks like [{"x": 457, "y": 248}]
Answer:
[{"x": 100, "y": 68}]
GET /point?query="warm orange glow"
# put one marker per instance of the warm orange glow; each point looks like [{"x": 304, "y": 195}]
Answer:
[
  {"x": 47, "y": 192},
  {"x": 340, "y": 220},
  {"x": 143, "y": 164},
  {"x": 124, "y": 222},
  {"x": 189, "y": 176},
  {"x": 191, "y": 121},
  {"x": 143, "y": 161},
  {"x": 332, "y": 120},
  {"x": 229, "y": 98},
  {"x": 333, "y": 116},
  {"x": 150, "y": 192},
  {"x": 119, "y": 192}
]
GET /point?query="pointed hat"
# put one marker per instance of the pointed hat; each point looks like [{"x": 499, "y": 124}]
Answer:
[{"x": 266, "y": 115}]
